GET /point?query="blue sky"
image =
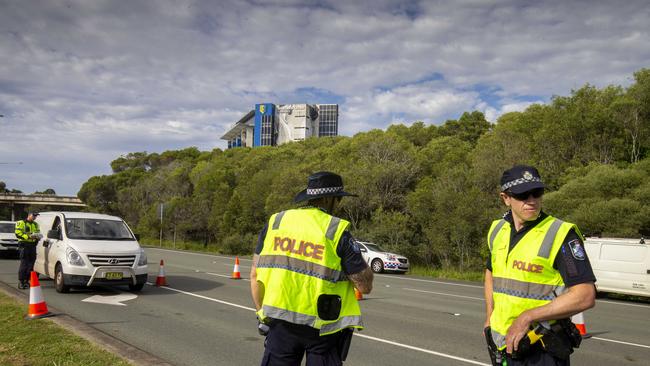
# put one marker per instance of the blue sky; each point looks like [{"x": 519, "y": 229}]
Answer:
[{"x": 84, "y": 82}]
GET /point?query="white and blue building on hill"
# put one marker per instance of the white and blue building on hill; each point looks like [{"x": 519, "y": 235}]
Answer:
[{"x": 270, "y": 124}]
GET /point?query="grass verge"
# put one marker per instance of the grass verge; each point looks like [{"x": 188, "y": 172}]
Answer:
[
  {"x": 451, "y": 274},
  {"x": 41, "y": 342}
]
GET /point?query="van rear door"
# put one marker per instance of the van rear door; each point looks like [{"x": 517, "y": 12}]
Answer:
[{"x": 620, "y": 265}]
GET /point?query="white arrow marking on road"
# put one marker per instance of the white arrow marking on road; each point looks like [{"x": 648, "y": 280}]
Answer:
[{"x": 111, "y": 300}]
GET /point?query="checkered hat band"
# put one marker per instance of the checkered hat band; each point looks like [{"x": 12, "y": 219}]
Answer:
[
  {"x": 519, "y": 181},
  {"x": 317, "y": 191}
]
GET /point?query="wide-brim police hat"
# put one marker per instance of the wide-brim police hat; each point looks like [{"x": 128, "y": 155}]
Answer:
[{"x": 323, "y": 184}]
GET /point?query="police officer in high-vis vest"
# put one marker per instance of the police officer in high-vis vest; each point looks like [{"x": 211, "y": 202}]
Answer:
[
  {"x": 305, "y": 269},
  {"x": 538, "y": 276},
  {"x": 28, "y": 235}
]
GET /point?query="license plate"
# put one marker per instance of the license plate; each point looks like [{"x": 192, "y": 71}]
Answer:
[{"x": 113, "y": 275}]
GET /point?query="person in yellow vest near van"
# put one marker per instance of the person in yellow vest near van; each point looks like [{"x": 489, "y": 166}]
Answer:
[
  {"x": 305, "y": 268},
  {"x": 28, "y": 235},
  {"x": 538, "y": 276}
]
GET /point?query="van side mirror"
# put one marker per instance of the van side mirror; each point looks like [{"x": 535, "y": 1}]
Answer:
[
  {"x": 362, "y": 249},
  {"x": 137, "y": 237},
  {"x": 54, "y": 234}
]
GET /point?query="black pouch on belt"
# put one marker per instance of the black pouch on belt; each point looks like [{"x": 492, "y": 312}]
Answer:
[
  {"x": 556, "y": 342},
  {"x": 570, "y": 330},
  {"x": 329, "y": 307}
]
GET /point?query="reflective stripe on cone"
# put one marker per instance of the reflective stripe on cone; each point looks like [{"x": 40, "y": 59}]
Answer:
[
  {"x": 579, "y": 321},
  {"x": 37, "y": 306},
  {"x": 161, "y": 280},
  {"x": 235, "y": 272}
]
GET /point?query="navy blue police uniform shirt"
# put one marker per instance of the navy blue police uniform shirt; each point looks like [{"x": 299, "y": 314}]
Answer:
[
  {"x": 572, "y": 261},
  {"x": 351, "y": 259}
]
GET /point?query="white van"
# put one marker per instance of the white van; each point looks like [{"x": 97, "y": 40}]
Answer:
[
  {"x": 620, "y": 265},
  {"x": 86, "y": 249}
]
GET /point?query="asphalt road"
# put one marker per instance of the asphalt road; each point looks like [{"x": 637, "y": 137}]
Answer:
[{"x": 205, "y": 318}]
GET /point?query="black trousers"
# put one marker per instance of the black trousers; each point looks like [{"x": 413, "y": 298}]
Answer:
[
  {"x": 287, "y": 343},
  {"x": 27, "y": 259}
]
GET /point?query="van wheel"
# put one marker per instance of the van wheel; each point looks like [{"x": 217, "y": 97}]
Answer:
[
  {"x": 377, "y": 266},
  {"x": 59, "y": 282},
  {"x": 137, "y": 287}
]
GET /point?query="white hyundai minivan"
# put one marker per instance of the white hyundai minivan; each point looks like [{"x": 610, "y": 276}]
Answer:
[{"x": 83, "y": 249}]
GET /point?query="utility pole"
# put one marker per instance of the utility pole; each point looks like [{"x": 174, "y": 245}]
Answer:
[{"x": 162, "y": 208}]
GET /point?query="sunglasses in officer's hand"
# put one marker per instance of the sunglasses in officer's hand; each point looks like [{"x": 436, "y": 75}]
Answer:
[{"x": 536, "y": 193}]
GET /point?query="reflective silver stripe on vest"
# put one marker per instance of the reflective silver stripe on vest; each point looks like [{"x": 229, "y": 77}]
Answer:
[
  {"x": 300, "y": 266},
  {"x": 547, "y": 243},
  {"x": 496, "y": 230},
  {"x": 526, "y": 290},
  {"x": 498, "y": 338},
  {"x": 278, "y": 218},
  {"x": 344, "y": 322},
  {"x": 290, "y": 316},
  {"x": 331, "y": 230},
  {"x": 310, "y": 320}
]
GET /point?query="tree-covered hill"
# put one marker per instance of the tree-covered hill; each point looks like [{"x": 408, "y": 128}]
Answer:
[{"x": 426, "y": 191}]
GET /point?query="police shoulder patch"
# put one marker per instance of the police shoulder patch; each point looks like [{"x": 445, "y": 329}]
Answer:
[
  {"x": 577, "y": 250},
  {"x": 354, "y": 246}
]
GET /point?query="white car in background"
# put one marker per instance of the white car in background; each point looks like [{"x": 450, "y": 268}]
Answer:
[
  {"x": 84, "y": 249},
  {"x": 379, "y": 260},
  {"x": 8, "y": 240}
]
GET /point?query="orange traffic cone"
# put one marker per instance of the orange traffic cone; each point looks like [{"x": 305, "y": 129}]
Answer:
[
  {"x": 579, "y": 321},
  {"x": 37, "y": 306},
  {"x": 358, "y": 294},
  {"x": 235, "y": 272},
  {"x": 161, "y": 280}
]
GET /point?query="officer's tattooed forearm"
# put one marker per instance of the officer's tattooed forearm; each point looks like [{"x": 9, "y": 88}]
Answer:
[{"x": 362, "y": 280}]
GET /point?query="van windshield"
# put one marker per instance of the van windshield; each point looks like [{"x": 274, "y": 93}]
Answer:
[
  {"x": 7, "y": 227},
  {"x": 97, "y": 229}
]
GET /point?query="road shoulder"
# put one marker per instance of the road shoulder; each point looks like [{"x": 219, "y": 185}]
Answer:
[{"x": 130, "y": 353}]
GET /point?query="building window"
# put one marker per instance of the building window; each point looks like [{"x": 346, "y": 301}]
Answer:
[
  {"x": 328, "y": 120},
  {"x": 267, "y": 134}
]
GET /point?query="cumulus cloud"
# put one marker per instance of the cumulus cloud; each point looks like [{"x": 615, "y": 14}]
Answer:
[{"x": 82, "y": 83}]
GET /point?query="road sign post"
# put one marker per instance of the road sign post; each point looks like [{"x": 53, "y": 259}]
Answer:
[{"x": 162, "y": 208}]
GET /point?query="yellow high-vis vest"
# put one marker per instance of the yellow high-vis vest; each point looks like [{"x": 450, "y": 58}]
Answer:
[
  {"x": 298, "y": 264},
  {"x": 524, "y": 278},
  {"x": 24, "y": 229}
]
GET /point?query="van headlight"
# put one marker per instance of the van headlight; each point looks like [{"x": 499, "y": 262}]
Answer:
[
  {"x": 74, "y": 258},
  {"x": 143, "y": 258}
]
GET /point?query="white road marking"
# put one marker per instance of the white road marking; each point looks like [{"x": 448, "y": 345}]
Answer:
[
  {"x": 198, "y": 254},
  {"x": 482, "y": 299},
  {"x": 444, "y": 294},
  {"x": 421, "y": 350},
  {"x": 621, "y": 342},
  {"x": 111, "y": 300},
  {"x": 356, "y": 333},
  {"x": 204, "y": 297},
  {"x": 428, "y": 281},
  {"x": 226, "y": 276}
]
